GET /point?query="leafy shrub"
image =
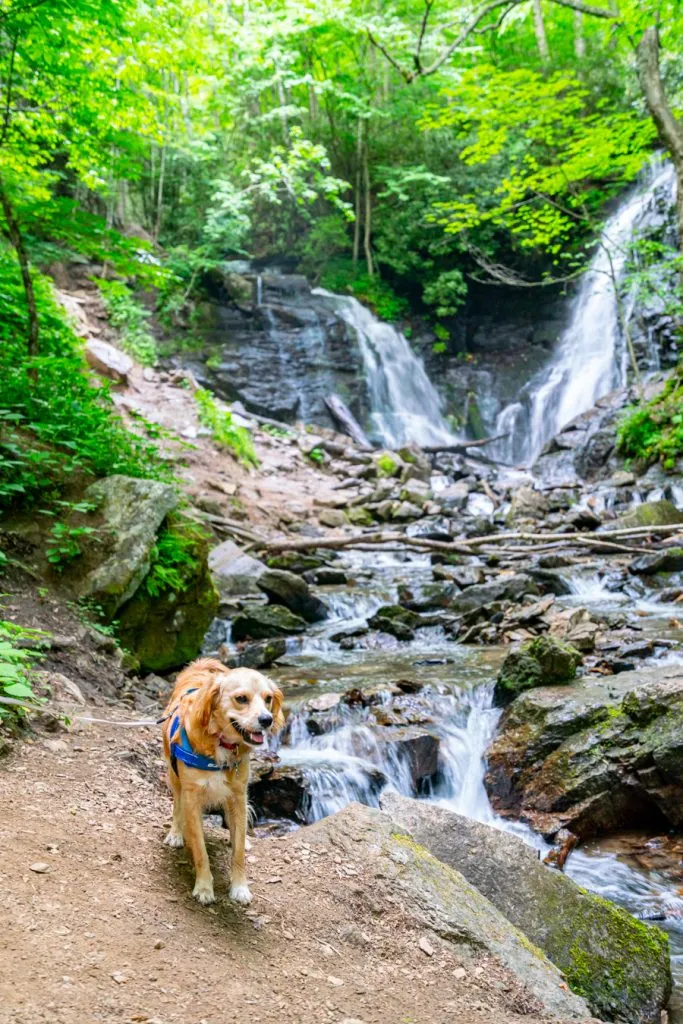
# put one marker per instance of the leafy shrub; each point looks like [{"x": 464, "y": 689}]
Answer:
[
  {"x": 174, "y": 556},
  {"x": 15, "y": 667},
  {"x": 654, "y": 432},
  {"x": 225, "y": 433},
  {"x": 130, "y": 320},
  {"x": 371, "y": 291},
  {"x": 446, "y": 293},
  {"x": 53, "y": 420}
]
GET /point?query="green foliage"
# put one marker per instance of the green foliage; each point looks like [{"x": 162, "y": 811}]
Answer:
[
  {"x": 446, "y": 293},
  {"x": 317, "y": 455},
  {"x": 63, "y": 545},
  {"x": 17, "y": 656},
  {"x": 224, "y": 432},
  {"x": 54, "y": 421},
  {"x": 130, "y": 320},
  {"x": 654, "y": 432},
  {"x": 174, "y": 556},
  {"x": 371, "y": 291}
]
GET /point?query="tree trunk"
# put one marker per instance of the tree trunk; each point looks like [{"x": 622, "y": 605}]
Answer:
[
  {"x": 13, "y": 233},
  {"x": 579, "y": 38},
  {"x": 367, "y": 233},
  {"x": 358, "y": 196},
  {"x": 669, "y": 128},
  {"x": 539, "y": 29}
]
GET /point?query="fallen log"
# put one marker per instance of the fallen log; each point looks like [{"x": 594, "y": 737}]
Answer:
[
  {"x": 459, "y": 449},
  {"x": 346, "y": 421}
]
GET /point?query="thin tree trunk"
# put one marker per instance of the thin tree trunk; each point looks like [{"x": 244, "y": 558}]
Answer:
[
  {"x": 367, "y": 226},
  {"x": 539, "y": 29},
  {"x": 358, "y": 196},
  {"x": 579, "y": 38},
  {"x": 13, "y": 232},
  {"x": 160, "y": 194},
  {"x": 669, "y": 128}
]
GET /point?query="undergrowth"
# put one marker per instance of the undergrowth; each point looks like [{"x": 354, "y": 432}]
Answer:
[
  {"x": 129, "y": 318},
  {"x": 54, "y": 421},
  {"x": 175, "y": 557},
  {"x": 654, "y": 432},
  {"x": 371, "y": 291},
  {"x": 16, "y": 662},
  {"x": 224, "y": 432}
]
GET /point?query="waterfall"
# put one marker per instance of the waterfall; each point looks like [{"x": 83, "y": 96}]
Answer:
[
  {"x": 405, "y": 405},
  {"x": 591, "y": 359}
]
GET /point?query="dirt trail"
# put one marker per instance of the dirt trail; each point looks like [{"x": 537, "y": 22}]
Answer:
[{"x": 109, "y": 932}]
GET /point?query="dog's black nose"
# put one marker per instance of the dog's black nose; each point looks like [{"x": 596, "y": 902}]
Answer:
[{"x": 265, "y": 719}]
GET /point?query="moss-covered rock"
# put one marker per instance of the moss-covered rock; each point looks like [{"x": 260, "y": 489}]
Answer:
[
  {"x": 620, "y": 965},
  {"x": 387, "y": 463},
  {"x": 260, "y": 622},
  {"x": 357, "y": 515},
  {"x": 666, "y": 560},
  {"x": 298, "y": 561},
  {"x": 651, "y": 513},
  {"x": 396, "y": 620},
  {"x": 165, "y": 622},
  {"x": 544, "y": 661},
  {"x": 290, "y": 590}
]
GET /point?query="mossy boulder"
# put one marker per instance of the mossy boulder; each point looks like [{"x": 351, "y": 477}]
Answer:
[
  {"x": 396, "y": 620},
  {"x": 620, "y": 965},
  {"x": 298, "y": 561},
  {"x": 260, "y": 622},
  {"x": 357, "y": 515},
  {"x": 164, "y": 626},
  {"x": 387, "y": 463},
  {"x": 132, "y": 512},
  {"x": 666, "y": 560},
  {"x": 651, "y": 513},
  {"x": 544, "y": 661}
]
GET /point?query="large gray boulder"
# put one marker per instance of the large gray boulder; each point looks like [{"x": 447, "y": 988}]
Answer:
[
  {"x": 265, "y": 621},
  {"x": 234, "y": 572},
  {"x": 651, "y": 513},
  {"x": 290, "y": 590},
  {"x": 620, "y": 965},
  {"x": 505, "y": 588},
  {"x": 436, "y": 897},
  {"x": 132, "y": 511}
]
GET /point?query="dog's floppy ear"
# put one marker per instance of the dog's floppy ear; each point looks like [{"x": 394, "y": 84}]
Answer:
[
  {"x": 276, "y": 708},
  {"x": 206, "y": 700}
]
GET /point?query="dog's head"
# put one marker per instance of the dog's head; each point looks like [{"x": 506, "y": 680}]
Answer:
[{"x": 239, "y": 706}]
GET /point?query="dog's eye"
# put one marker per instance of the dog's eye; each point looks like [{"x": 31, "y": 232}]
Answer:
[
  {"x": 241, "y": 698},
  {"x": 269, "y": 698}
]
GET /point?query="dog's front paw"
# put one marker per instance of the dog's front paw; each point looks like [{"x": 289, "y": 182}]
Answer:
[
  {"x": 174, "y": 839},
  {"x": 240, "y": 894},
  {"x": 203, "y": 892}
]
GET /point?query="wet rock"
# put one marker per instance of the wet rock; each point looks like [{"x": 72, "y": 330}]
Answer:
[
  {"x": 591, "y": 458},
  {"x": 327, "y": 577},
  {"x": 358, "y": 515},
  {"x": 622, "y": 479},
  {"x": 417, "y": 492},
  {"x": 651, "y": 513},
  {"x": 417, "y": 747},
  {"x": 550, "y": 581},
  {"x": 543, "y": 661},
  {"x": 298, "y": 561},
  {"x": 235, "y": 573},
  {"x": 292, "y": 591},
  {"x": 574, "y": 625},
  {"x": 415, "y": 458},
  {"x": 398, "y": 621},
  {"x": 261, "y": 654},
  {"x": 436, "y": 897},
  {"x": 332, "y": 517},
  {"x": 596, "y": 757},
  {"x": 505, "y": 588},
  {"x": 348, "y": 634},
  {"x": 583, "y": 519},
  {"x": 132, "y": 511},
  {"x": 428, "y": 597},
  {"x": 405, "y": 511},
  {"x": 666, "y": 560},
  {"x": 454, "y": 498},
  {"x": 527, "y": 504},
  {"x": 620, "y": 965},
  {"x": 431, "y": 527},
  {"x": 480, "y": 506},
  {"x": 282, "y": 790},
  {"x": 263, "y": 622}
]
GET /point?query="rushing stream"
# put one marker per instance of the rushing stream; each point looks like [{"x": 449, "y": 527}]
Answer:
[{"x": 344, "y": 762}]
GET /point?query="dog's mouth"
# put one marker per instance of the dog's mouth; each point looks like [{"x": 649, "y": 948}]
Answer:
[{"x": 255, "y": 737}]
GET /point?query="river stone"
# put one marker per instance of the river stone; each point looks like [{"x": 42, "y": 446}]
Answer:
[
  {"x": 235, "y": 572},
  {"x": 399, "y": 622},
  {"x": 406, "y": 511},
  {"x": 505, "y": 588},
  {"x": 332, "y": 517},
  {"x": 417, "y": 747},
  {"x": 298, "y": 561},
  {"x": 620, "y": 965},
  {"x": 667, "y": 560},
  {"x": 132, "y": 510},
  {"x": 543, "y": 661},
  {"x": 427, "y": 597},
  {"x": 387, "y": 463},
  {"x": 650, "y": 513},
  {"x": 259, "y": 622},
  {"x": 417, "y": 462},
  {"x": 417, "y": 492},
  {"x": 292, "y": 591},
  {"x": 434, "y": 527},
  {"x": 327, "y": 576},
  {"x": 260, "y": 654},
  {"x": 527, "y": 504},
  {"x": 603, "y": 754},
  {"x": 436, "y": 897}
]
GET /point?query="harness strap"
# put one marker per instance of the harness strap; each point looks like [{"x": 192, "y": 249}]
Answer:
[{"x": 182, "y": 750}]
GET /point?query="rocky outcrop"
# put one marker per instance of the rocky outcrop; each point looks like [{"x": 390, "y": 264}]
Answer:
[
  {"x": 436, "y": 897},
  {"x": 132, "y": 511},
  {"x": 292, "y": 591},
  {"x": 596, "y": 757},
  {"x": 652, "y": 513},
  {"x": 266, "y": 621},
  {"x": 544, "y": 661},
  {"x": 666, "y": 560},
  {"x": 235, "y": 573},
  {"x": 505, "y": 588},
  {"x": 620, "y": 965},
  {"x": 260, "y": 654}
]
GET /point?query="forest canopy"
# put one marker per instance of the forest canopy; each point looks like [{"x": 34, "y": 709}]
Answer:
[{"x": 374, "y": 146}]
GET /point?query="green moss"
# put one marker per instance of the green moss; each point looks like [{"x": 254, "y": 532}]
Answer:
[
  {"x": 654, "y": 432},
  {"x": 387, "y": 465},
  {"x": 544, "y": 661},
  {"x": 359, "y": 516}
]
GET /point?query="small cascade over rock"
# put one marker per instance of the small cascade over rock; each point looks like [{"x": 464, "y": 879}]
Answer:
[
  {"x": 591, "y": 358},
  {"x": 405, "y": 405}
]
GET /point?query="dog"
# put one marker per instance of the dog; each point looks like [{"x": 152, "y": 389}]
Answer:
[{"x": 216, "y": 716}]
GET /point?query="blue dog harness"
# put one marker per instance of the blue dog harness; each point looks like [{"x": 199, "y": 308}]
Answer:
[{"x": 182, "y": 750}]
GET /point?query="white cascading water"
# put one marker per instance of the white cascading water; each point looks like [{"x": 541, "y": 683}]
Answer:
[
  {"x": 405, "y": 404},
  {"x": 591, "y": 358}
]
